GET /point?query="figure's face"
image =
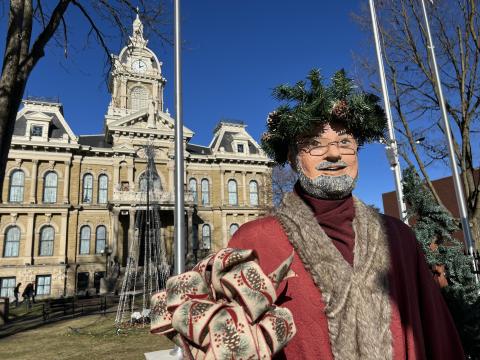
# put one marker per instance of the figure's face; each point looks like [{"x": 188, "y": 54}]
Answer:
[
  {"x": 327, "y": 163},
  {"x": 334, "y": 153}
]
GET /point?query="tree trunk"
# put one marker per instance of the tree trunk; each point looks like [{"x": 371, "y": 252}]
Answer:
[
  {"x": 10, "y": 100},
  {"x": 12, "y": 84},
  {"x": 475, "y": 221},
  {"x": 18, "y": 62}
]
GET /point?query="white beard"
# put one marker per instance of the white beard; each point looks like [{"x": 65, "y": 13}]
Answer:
[{"x": 325, "y": 186}]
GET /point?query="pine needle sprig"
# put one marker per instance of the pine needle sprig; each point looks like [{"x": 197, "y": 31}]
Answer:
[
  {"x": 434, "y": 225},
  {"x": 310, "y": 103}
]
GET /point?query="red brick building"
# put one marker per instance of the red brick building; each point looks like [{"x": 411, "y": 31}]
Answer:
[{"x": 446, "y": 191}]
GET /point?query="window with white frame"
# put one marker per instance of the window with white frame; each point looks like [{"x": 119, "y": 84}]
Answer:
[
  {"x": 192, "y": 186},
  {"x": 7, "y": 285},
  {"x": 100, "y": 239},
  {"x": 12, "y": 242},
  {"x": 85, "y": 240},
  {"x": 47, "y": 236},
  {"x": 87, "y": 189},
  {"x": 102, "y": 189},
  {"x": 205, "y": 192},
  {"x": 17, "y": 184},
  {"x": 139, "y": 98},
  {"x": 43, "y": 284},
  {"x": 240, "y": 148},
  {"x": 253, "y": 187},
  {"x": 50, "y": 187},
  {"x": 233, "y": 229},
  {"x": 36, "y": 130},
  {"x": 232, "y": 192},
  {"x": 206, "y": 237}
]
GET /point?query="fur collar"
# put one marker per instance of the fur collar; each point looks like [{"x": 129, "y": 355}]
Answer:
[{"x": 357, "y": 302}]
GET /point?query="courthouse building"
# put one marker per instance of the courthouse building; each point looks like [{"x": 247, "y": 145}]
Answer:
[{"x": 66, "y": 198}]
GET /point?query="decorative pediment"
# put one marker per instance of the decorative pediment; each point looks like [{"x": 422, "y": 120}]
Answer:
[
  {"x": 38, "y": 116},
  {"x": 159, "y": 153},
  {"x": 147, "y": 121},
  {"x": 131, "y": 120},
  {"x": 124, "y": 147}
]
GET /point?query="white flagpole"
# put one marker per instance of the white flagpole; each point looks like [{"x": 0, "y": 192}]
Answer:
[
  {"x": 179, "y": 164},
  {"x": 462, "y": 207},
  {"x": 391, "y": 146},
  {"x": 179, "y": 217}
]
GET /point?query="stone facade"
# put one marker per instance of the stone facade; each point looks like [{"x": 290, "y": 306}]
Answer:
[{"x": 66, "y": 197}]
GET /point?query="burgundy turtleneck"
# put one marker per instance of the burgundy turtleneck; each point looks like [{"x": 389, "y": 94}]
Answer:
[{"x": 335, "y": 217}]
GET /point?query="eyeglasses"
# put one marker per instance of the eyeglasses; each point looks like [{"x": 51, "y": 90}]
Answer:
[{"x": 319, "y": 147}]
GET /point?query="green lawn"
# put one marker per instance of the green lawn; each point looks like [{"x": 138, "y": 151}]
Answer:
[{"x": 90, "y": 337}]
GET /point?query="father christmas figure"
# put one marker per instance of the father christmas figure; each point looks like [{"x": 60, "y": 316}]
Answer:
[{"x": 362, "y": 288}]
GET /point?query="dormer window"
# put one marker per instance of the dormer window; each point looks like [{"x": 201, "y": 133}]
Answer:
[
  {"x": 240, "y": 148},
  {"x": 36, "y": 130}
]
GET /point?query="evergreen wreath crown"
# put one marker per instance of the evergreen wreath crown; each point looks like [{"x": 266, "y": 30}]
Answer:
[{"x": 308, "y": 107}]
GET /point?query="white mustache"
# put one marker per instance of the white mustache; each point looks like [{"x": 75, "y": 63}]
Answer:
[{"x": 328, "y": 164}]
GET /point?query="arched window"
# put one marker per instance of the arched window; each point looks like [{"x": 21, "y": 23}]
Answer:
[
  {"x": 100, "y": 239},
  {"x": 139, "y": 98},
  {"x": 233, "y": 229},
  {"x": 102, "y": 189},
  {"x": 47, "y": 236},
  {"x": 192, "y": 186},
  {"x": 205, "y": 192},
  {"x": 87, "y": 189},
  {"x": 12, "y": 242},
  {"x": 253, "y": 186},
  {"x": 206, "y": 237},
  {"x": 17, "y": 183},
  {"x": 50, "y": 188},
  {"x": 85, "y": 240},
  {"x": 232, "y": 192}
]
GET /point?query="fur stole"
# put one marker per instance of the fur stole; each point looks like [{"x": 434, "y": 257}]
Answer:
[{"x": 357, "y": 302}]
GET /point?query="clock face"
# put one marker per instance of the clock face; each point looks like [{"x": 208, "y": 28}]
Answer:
[{"x": 139, "y": 66}]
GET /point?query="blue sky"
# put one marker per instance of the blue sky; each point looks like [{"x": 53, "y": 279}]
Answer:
[{"x": 235, "y": 53}]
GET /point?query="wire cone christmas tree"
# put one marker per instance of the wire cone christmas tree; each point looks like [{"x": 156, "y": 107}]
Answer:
[{"x": 147, "y": 269}]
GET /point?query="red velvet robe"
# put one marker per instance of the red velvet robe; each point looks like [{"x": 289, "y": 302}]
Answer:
[{"x": 421, "y": 325}]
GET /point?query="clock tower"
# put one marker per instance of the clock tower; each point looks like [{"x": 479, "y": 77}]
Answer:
[{"x": 136, "y": 82}]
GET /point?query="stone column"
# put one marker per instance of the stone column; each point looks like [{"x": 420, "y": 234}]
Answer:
[
  {"x": 33, "y": 182},
  {"x": 224, "y": 230},
  {"x": 29, "y": 238},
  {"x": 130, "y": 177},
  {"x": 222, "y": 187},
  {"x": 264, "y": 183},
  {"x": 66, "y": 183},
  {"x": 116, "y": 174},
  {"x": 114, "y": 231},
  {"x": 190, "y": 259},
  {"x": 171, "y": 173},
  {"x": 123, "y": 93},
  {"x": 63, "y": 238},
  {"x": 244, "y": 183},
  {"x": 131, "y": 231}
]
